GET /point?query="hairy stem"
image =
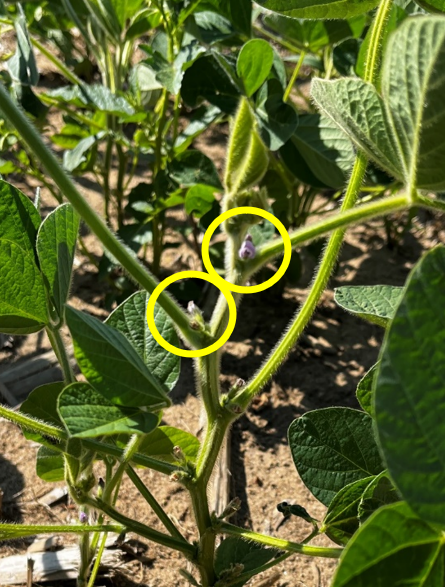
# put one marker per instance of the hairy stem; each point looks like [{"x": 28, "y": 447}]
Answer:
[
  {"x": 226, "y": 528},
  {"x": 62, "y": 356},
  {"x": 294, "y": 76}
]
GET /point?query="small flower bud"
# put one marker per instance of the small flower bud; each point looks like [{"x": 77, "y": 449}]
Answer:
[
  {"x": 83, "y": 517},
  {"x": 231, "y": 508},
  {"x": 247, "y": 249},
  {"x": 178, "y": 454},
  {"x": 191, "y": 308}
]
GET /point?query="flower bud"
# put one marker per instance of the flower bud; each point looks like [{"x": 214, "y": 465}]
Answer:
[{"x": 83, "y": 517}]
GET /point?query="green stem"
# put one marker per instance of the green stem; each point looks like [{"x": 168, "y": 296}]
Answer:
[
  {"x": 207, "y": 372},
  {"x": 142, "y": 529},
  {"x": 154, "y": 504},
  {"x": 44, "y": 429},
  {"x": 244, "y": 577},
  {"x": 207, "y": 536},
  {"x": 61, "y": 354},
  {"x": 279, "y": 543},
  {"x": 344, "y": 219},
  {"x": 69, "y": 75},
  {"x": 294, "y": 76},
  {"x": 97, "y": 561},
  {"x": 374, "y": 55},
  {"x": 302, "y": 318},
  {"x": 12, "y": 531},
  {"x": 125, "y": 257}
]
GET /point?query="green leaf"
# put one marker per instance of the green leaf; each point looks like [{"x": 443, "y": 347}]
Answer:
[
  {"x": 130, "y": 319},
  {"x": 161, "y": 442},
  {"x": 276, "y": 119},
  {"x": 75, "y": 157},
  {"x": 22, "y": 293},
  {"x": 364, "y": 390},
  {"x": 239, "y": 13},
  {"x": 341, "y": 520},
  {"x": 432, "y": 5},
  {"x": 19, "y": 220},
  {"x": 236, "y": 551},
  {"x": 409, "y": 391},
  {"x": 56, "y": 244},
  {"x": 313, "y": 35},
  {"x": 403, "y": 130},
  {"x": 416, "y": 106},
  {"x": 393, "y": 547},
  {"x": 254, "y": 64},
  {"x": 111, "y": 364},
  {"x": 375, "y": 303},
  {"x": 192, "y": 167},
  {"x": 207, "y": 80},
  {"x": 50, "y": 465},
  {"x": 380, "y": 492},
  {"x": 358, "y": 110},
  {"x": 93, "y": 97},
  {"x": 87, "y": 414},
  {"x": 42, "y": 405},
  {"x": 333, "y": 447},
  {"x": 325, "y": 148},
  {"x": 247, "y": 157},
  {"x": 323, "y": 9},
  {"x": 199, "y": 200}
]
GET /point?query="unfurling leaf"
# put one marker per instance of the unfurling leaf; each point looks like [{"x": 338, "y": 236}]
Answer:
[{"x": 247, "y": 157}]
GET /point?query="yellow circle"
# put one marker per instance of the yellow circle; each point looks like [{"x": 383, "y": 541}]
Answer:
[
  {"x": 199, "y": 352},
  {"x": 217, "y": 279}
]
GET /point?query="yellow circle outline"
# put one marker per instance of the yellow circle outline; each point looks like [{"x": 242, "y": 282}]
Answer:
[
  {"x": 199, "y": 352},
  {"x": 217, "y": 279}
]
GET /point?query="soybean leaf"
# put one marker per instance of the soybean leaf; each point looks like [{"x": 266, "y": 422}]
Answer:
[
  {"x": 199, "y": 200},
  {"x": 358, "y": 110},
  {"x": 42, "y": 404},
  {"x": 22, "y": 293},
  {"x": 325, "y": 148},
  {"x": 333, "y": 447},
  {"x": 239, "y": 13},
  {"x": 409, "y": 391},
  {"x": 236, "y": 551},
  {"x": 403, "y": 130},
  {"x": 50, "y": 465},
  {"x": 416, "y": 107},
  {"x": 111, "y": 364},
  {"x": 19, "y": 220},
  {"x": 380, "y": 492},
  {"x": 375, "y": 303},
  {"x": 341, "y": 520},
  {"x": 394, "y": 547},
  {"x": 247, "y": 157},
  {"x": 87, "y": 414},
  {"x": 364, "y": 390},
  {"x": 192, "y": 167},
  {"x": 75, "y": 157},
  {"x": 130, "y": 319},
  {"x": 432, "y": 5},
  {"x": 296, "y": 164},
  {"x": 212, "y": 28},
  {"x": 207, "y": 80},
  {"x": 277, "y": 120},
  {"x": 312, "y": 35},
  {"x": 56, "y": 244},
  {"x": 254, "y": 64},
  {"x": 323, "y": 9},
  {"x": 199, "y": 121},
  {"x": 161, "y": 442},
  {"x": 95, "y": 97}
]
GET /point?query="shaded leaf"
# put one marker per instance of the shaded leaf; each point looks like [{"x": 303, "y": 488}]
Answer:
[
  {"x": 50, "y": 465},
  {"x": 94, "y": 96},
  {"x": 395, "y": 546},
  {"x": 19, "y": 220},
  {"x": 409, "y": 390},
  {"x": 324, "y": 9},
  {"x": 192, "y": 167},
  {"x": 161, "y": 442},
  {"x": 364, "y": 389},
  {"x": 333, "y": 447},
  {"x": 42, "y": 404},
  {"x": 199, "y": 200}
]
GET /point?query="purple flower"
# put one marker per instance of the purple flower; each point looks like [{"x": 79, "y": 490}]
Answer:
[
  {"x": 83, "y": 518},
  {"x": 247, "y": 249}
]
